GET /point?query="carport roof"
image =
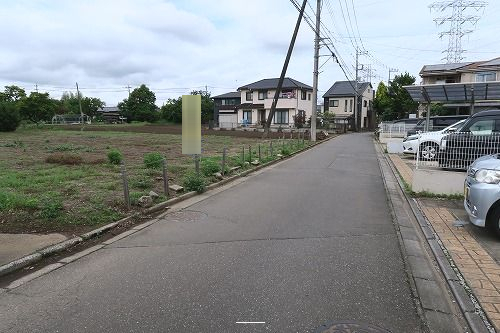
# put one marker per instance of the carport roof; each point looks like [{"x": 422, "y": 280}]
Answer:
[{"x": 455, "y": 92}]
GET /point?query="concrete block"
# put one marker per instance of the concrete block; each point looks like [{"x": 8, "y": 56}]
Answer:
[
  {"x": 395, "y": 147},
  {"x": 438, "y": 181},
  {"x": 420, "y": 268},
  {"x": 431, "y": 296}
]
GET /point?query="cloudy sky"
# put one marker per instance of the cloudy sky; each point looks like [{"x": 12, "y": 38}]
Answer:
[{"x": 178, "y": 46}]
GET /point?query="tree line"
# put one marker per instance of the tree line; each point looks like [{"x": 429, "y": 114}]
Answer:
[
  {"x": 17, "y": 106},
  {"x": 394, "y": 102}
]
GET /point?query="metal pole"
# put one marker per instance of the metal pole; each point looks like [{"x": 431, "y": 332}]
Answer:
[
  {"x": 197, "y": 163},
  {"x": 315, "y": 71},
  {"x": 165, "y": 178},
  {"x": 271, "y": 147},
  {"x": 249, "y": 153},
  {"x": 259, "y": 153},
  {"x": 243, "y": 155},
  {"x": 223, "y": 160},
  {"x": 125, "y": 185}
]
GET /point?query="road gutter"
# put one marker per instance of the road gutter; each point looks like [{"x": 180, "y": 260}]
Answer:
[{"x": 469, "y": 307}]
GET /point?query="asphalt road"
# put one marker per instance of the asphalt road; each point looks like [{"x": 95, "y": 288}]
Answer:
[{"x": 303, "y": 243}]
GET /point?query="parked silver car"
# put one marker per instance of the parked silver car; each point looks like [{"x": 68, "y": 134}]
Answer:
[{"x": 482, "y": 192}]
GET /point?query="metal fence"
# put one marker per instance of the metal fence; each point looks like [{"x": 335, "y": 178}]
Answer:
[
  {"x": 455, "y": 151},
  {"x": 395, "y": 130}
]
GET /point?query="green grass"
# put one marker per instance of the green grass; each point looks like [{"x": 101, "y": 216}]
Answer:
[{"x": 40, "y": 196}]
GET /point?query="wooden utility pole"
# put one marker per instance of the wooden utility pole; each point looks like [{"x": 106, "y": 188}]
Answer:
[{"x": 283, "y": 71}]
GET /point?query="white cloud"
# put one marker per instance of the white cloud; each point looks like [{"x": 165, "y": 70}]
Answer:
[{"x": 192, "y": 43}]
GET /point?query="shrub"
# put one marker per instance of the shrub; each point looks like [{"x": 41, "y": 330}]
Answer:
[
  {"x": 194, "y": 182},
  {"x": 153, "y": 160},
  {"x": 64, "y": 158},
  {"x": 286, "y": 151},
  {"x": 209, "y": 167},
  {"x": 115, "y": 156},
  {"x": 9, "y": 117}
]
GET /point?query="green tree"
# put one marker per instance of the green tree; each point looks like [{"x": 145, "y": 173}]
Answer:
[
  {"x": 207, "y": 105},
  {"x": 172, "y": 110},
  {"x": 401, "y": 102},
  {"x": 12, "y": 94},
  {"x": 9, "y": 117},
  {"x": 140, "y": 105},
  {"x": 382, "y": 103},
  {"x": 70, "y": 105},
  {"x": 37, "y": 107}
]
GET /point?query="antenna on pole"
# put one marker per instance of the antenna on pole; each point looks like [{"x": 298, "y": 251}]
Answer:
[{"x": 457, "y": 20}]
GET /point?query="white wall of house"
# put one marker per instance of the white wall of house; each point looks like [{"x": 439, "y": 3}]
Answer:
[
  {"x": 292, "y": 105},
  {"x": 345, "y": 105}
]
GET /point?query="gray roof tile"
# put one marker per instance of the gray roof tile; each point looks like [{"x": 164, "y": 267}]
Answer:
[
  {"x": 345, "y": 88},
  {"x": 273, "y": 83}
]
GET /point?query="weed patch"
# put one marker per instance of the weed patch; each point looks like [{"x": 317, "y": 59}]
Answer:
[{"x": 64, "y": 159}]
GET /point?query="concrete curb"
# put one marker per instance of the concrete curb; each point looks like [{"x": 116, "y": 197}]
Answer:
[
  {"x": 59, "y": 247},
  {"x": 469, "y": 307}
]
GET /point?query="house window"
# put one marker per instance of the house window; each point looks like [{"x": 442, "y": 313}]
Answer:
[
  {"x": 303, "y": 95},
  {"x": 228, "y": 102},
  {"x": 350, "y": 105},
  {"x": 281, "y": 117},
  {"x": 486, "y": 76},
  {"x": 365, "y": 103},
  {"x": 308, "y": 97},
  {"x": 262, "y": 94},
  {"x": 247, "y": 116},
  {"x": 334, "y": 103},
  {"x": 249, "y": 96},
  {"x": 345, "y": 106},
  {"x": 287, "y": 94}
]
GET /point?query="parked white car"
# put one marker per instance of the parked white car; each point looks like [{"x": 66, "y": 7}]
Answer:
[{"x": 427, "y": 143}]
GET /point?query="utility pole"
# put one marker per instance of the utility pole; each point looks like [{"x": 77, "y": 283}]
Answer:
[
  {"x": 128, "y": 87},
  {"x": 315, "y": 71},
  {"x": 80, "y": 105},
  {"x": 79, "y": 101},
  {"x": 357, "y": 111},
  {"x": 36, "y": 87},
  {"x": 391, "y": 70},
  {"x": 283, "y": 71}
]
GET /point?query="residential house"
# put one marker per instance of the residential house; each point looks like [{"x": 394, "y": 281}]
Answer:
[
  {"x": 339, "y": 100},
  {"x": 465, "y": 72},
  {"x": 225, "y": 112},
  {"x": 257, "y": 97}
]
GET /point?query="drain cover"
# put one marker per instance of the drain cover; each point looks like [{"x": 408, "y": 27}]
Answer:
[{"x": 350, "y": 327}]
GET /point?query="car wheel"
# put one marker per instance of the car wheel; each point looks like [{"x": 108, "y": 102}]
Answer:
[
  {"x": 493, "y": 222},
  {"x": 428, "y": 151}
]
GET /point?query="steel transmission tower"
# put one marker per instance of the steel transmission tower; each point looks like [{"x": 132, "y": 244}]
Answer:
[{"x": 458, "y": 21}]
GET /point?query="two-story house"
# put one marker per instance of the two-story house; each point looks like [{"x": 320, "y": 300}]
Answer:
[
  {"x": 466, "y": 72},
  {"x": 257, "y": 97},
  {"x": 339, "y": 100},
  {"x": 225, "y": 112}
]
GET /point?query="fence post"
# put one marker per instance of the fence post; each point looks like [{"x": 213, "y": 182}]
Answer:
[
  {"x": 271, "y": 147},
  {"x": 243, "y": 155},
  {"x": 165, "y": 178},
  {"x": 223, "y": 160},
  {"x": 249, "y": 153},
  {"x": 125, "y": 185},
  {"x": 259, "y": 153},
  {"x": 197, "y": 163}
]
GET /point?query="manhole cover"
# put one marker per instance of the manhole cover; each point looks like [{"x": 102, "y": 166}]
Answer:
[{"x": 350, "y": 327}]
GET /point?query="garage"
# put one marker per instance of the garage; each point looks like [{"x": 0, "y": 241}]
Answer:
[{"x": 228, "y": 120}]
